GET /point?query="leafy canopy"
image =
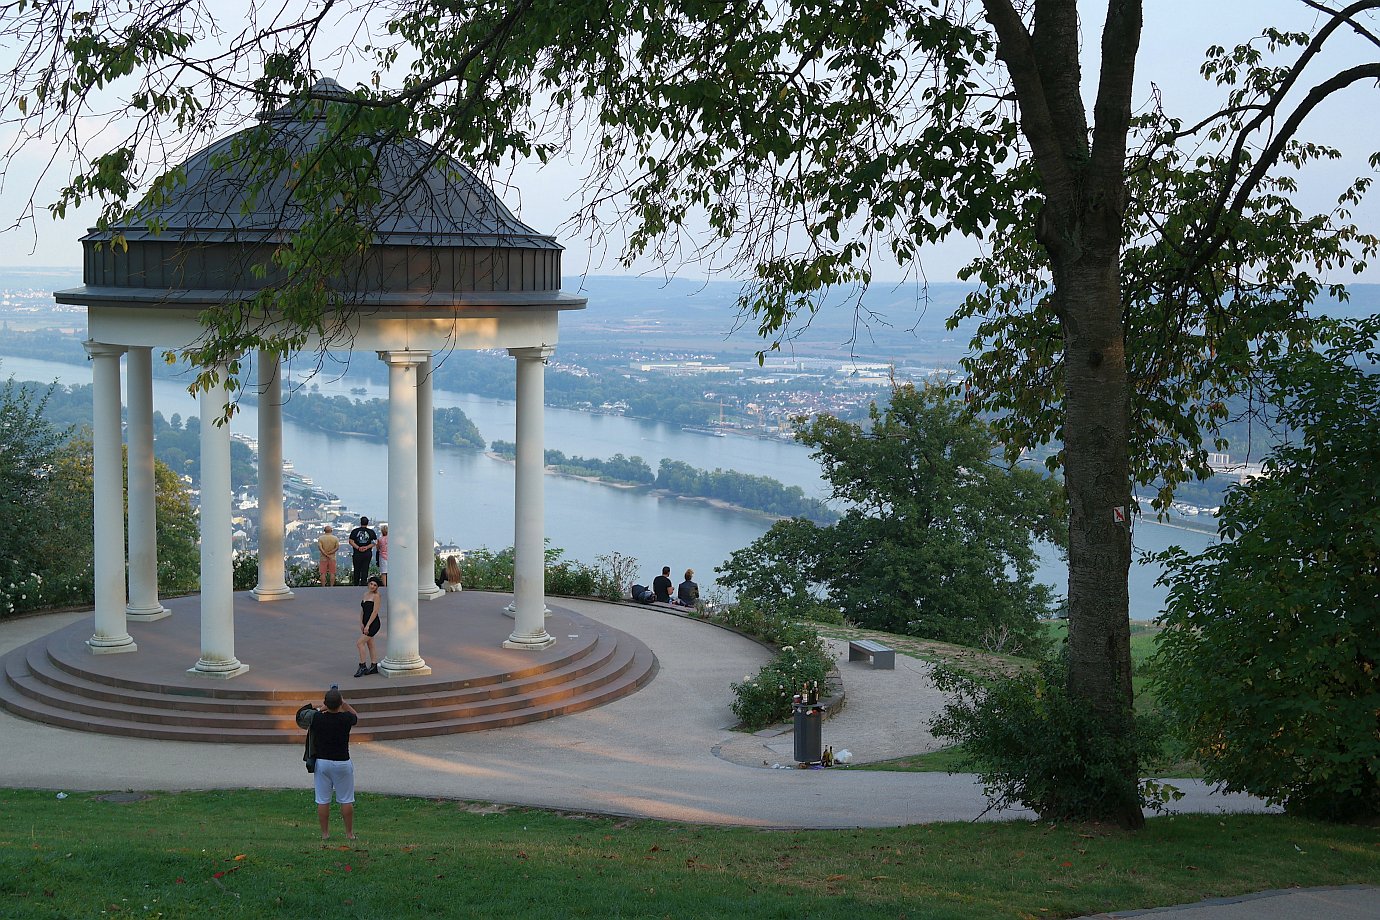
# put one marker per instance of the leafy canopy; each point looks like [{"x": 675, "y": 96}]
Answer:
[
  {"x": 937, "y": 538},
  {"x": 1270, "y": 659}
]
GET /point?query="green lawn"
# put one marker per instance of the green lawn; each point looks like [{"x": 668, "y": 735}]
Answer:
[
  {"x": 256, "y": 854},
  {"x": 1142, "y": 638}
]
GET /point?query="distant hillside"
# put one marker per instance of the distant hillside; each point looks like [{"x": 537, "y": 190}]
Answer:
[
  {"x": 686, "y": 314},
  {"x": 41, "y": 277},
  {"x": 894, "y": 320}
]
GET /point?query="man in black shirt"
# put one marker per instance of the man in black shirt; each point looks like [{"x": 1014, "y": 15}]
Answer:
[
  {"x": 362, "y": 550},
  {"x": 334, "y": 771},
  {"x": 661, "y": 585}
]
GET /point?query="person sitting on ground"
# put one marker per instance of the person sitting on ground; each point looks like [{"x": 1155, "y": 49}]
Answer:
[
  {"x": 451, "y": 580},
  {"x": 661, "y": 585},
  {"x": 327, "y": 545},
  {"x": 688, "y": 594}
]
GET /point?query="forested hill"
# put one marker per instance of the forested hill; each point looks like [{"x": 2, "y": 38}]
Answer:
[{"x": 895, "y": 318}]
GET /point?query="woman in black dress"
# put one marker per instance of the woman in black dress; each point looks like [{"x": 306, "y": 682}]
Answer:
[{"x": 369, "y": 628}]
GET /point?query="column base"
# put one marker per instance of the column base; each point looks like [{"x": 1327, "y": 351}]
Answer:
[
  {"x": 511, "y": 611},
  {"x": 111, "y": 645},
  {"x": 264, "y": 594},
  {"x": 147, "y": 614},
  {"x": 218, "y": 670},
  {"x": 429, "y": 592},
  {"x": 531, "y": 643},
  {"x": 415, "y": 667}
]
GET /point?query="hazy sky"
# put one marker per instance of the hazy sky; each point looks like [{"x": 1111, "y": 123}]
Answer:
[{"x": 1176, "y": 34}]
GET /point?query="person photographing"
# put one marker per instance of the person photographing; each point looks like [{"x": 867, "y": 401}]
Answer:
[{"x": 335, "y": 773}]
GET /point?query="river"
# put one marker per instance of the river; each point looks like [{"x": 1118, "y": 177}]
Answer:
[{"x": 474, "y": 493}]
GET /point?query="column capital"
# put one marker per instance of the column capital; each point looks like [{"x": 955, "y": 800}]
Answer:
[
  {"x": 533, "y": 353},
  {"x": 404, "y": 358},
  {"x": 96, "y": 349}
]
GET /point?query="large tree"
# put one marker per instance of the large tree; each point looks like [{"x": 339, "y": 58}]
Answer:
[
  {"x": 28, "y": 446},
  {"x": 938, "y": 539},
  {"x": 1277, "y": 692},
  {"x": 797, "y": 141}
]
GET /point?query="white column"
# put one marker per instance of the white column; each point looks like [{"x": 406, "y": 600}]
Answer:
[
  {"x": 217, "y": 580},
  {"x": 143, "y": 517},
  {"x": 111, "y": 632},
  {"x": 403, "y": 658},
  {"x": 529, "y": 550},
  {"x": 272, "y": 584},
  {"x": 426, "y": 482}
]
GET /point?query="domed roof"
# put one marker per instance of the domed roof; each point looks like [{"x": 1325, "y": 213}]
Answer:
[
  {"x": 437, "y": 229},
  {"x": 427, "y": 197}
]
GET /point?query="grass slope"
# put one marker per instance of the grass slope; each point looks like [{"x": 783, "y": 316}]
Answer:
[{"x": 255, "y": 854}]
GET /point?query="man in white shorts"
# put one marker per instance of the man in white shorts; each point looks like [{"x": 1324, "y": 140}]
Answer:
[{"x": 334, "y": 770}]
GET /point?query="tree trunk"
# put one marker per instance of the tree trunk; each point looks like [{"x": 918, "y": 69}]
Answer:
[
  {"x": 1081, "y": 227},
  {"x": 1097, "y": 477}
]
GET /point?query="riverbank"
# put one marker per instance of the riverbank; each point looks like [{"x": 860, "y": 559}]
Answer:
[
  {"x": 716, "y": 503},
  {"x": 1209, "y": 530}
]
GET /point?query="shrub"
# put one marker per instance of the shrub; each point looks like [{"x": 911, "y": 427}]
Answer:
[
  {"x": 803, "y": 658},
  {"x": 1033, "y": 745},
  {"x": 766, "y": 699},
  {"x": 485, "y": 570},
  {"x": 245, "y": 571},
  {"x": 823, "y": 613},
  {"x": 615, "y": 575},
  {"x": 1269, "y": 663},
  {"x": 302, "y": 575},
  {"x": 770, "y": 626},
  {"x": 571, "y": 578},
  {"x": 21, "y": 595}
]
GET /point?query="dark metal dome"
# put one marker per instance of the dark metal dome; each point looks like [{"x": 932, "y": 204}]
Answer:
[{"x": 437, "y": 227}]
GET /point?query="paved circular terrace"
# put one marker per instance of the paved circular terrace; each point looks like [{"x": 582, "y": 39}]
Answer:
[{"x": 649, "y": 754}]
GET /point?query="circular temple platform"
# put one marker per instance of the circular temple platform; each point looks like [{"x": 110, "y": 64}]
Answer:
[{"x": 297, "y": 647}]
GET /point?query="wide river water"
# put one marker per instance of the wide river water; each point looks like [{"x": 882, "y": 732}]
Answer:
[{"x": 474, "y": 493}]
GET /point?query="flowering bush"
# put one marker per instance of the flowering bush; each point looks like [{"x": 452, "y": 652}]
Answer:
[
  {"x": 803, "y": 658},
  {"x": 302, "y": 575},
  {"x": 19, "y": 596},
  {"x": 766, "y": 699},
  {"x": 244, "y": 571},
  {"x": 760, "y": 623}
]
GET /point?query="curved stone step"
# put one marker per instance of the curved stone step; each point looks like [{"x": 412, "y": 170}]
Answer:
[
  {"x": 43, "y": 713},
  {"x": 474, "y": 686},
  {"x": 369, "y": 694},
  {"x": 229, "y": 716},
  {"x": 75, "y": 659}
]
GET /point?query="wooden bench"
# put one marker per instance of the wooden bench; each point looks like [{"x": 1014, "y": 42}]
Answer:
[{"x": 882, "y": 657}]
